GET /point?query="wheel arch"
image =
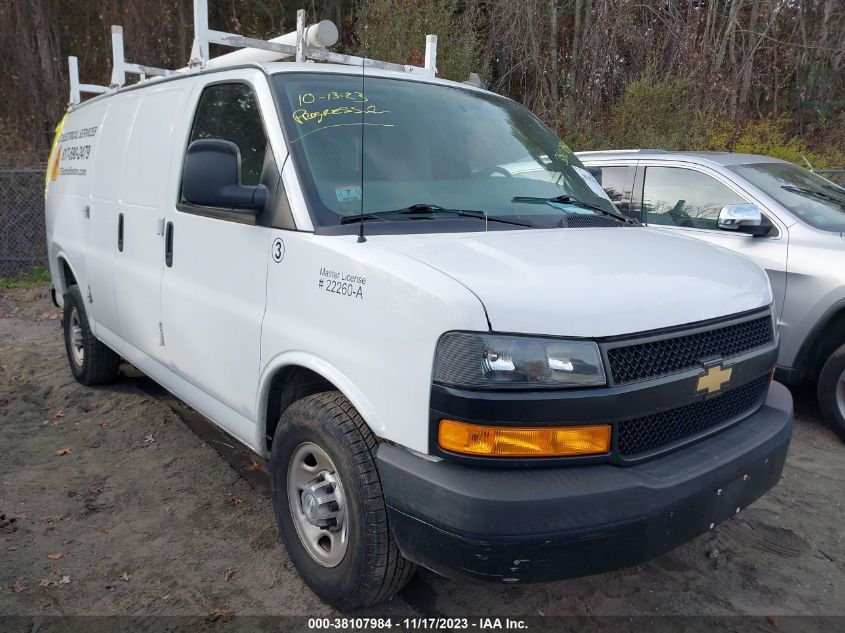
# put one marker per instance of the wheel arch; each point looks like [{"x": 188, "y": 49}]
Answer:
[
  {"x": 825, "y": 337},
  {"x": 66, "y": 276},
  {"x": 295, "y": 375}
]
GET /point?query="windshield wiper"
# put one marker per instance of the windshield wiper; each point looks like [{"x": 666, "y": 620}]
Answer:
[
  {"x": 565, "y": 199},
  {"x": 360, "y": 217},
  {"x": 426, "y": 209},
  {"x": 814, "y": 194}
]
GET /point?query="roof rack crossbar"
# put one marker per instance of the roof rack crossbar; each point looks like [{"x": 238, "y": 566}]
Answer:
[
  {"x": 121, "y": 67},
  {"x": 306, "y": 46},
  {"x": 317, "y": 54}
]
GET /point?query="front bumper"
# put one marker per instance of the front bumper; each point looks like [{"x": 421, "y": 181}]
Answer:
[{"x": 540, "y": 524}]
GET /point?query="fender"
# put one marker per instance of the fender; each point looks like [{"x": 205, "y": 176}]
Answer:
[{"x": 329, "y": 372}]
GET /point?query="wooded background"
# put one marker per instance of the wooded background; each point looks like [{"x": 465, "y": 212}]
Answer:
[{"x": 765, "y": 76}]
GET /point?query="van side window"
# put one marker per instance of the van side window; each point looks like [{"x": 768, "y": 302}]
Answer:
[{"x": 230, "y": 112}]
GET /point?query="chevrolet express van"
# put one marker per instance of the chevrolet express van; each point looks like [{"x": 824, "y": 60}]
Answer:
[{"x": 485, "y": 371}]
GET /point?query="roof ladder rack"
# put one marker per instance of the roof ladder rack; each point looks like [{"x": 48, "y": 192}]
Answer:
[
  {"x": 121, "y": 67},
  {"x": 307, "y": 43},
  {"x": 76, "y": 88}
]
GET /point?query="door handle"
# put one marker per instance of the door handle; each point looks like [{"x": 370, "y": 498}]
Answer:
[
  {"x": 120, "y": 232},
  {"x": 168, "y": 245}
]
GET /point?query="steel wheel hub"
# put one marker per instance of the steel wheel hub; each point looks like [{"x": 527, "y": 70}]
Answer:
[
  {"x": 77, "y": 346},
  {"x": 317, "y": 504},
  {"x": 840, "y": 394}
]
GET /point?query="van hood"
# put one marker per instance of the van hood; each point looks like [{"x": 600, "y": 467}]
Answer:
[{"x": 591, "y": 282}]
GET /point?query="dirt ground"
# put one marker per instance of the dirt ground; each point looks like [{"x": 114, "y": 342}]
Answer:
[{"x": 114, "y": 503}]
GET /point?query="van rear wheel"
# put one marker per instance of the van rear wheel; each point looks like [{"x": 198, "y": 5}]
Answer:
[
  {"x": 831, "y": 390},
  {"x": 91, "y": 362},
  {"x": 329, "y": 506}
]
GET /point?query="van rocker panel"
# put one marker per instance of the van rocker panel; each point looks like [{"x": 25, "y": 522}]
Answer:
[{"x": 542, "y": 524}]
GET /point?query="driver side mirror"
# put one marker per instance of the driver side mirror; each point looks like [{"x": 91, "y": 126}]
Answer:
[
  {"x": 743, "y": 218},
  {"x": 211, "y": 178}
]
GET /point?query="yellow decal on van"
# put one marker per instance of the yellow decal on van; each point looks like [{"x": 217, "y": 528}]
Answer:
[{"x": 52, "y": 171}]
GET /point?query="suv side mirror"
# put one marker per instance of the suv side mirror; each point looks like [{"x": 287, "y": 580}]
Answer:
[
  {"x": 742, "y": 218},
  {"x": 211, "y": 178}
]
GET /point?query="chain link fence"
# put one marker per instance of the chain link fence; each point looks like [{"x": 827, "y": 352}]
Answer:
[{"x": 23, "y": 240}]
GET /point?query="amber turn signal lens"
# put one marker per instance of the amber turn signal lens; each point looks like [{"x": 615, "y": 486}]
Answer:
[{"x": 505, "y": 441}]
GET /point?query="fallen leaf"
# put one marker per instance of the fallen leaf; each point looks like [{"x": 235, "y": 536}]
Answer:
[
  {"x": 59, "y": 414},
  {"x": 62, "y": 451},
  {"x": 104, "y": 530},
  {"x": 149, "y": 439},
  {"x": 773, "y": 620},
  {"x": 96, "y": 489},
  {"x": 49, "y": 582},
  {"x": 55, "y": 556},
  {"x": 56, "y": 518},
  {"x": 228, "y": 575},
  {"x": 125, "y": 576},
  {"x": 254, "y": 466},
  {"x": 17, "y": 587},
  {"x": 67, "y": 541},
  {"x": 234, "y": 501},
  {"x": 222, "y": 614}
]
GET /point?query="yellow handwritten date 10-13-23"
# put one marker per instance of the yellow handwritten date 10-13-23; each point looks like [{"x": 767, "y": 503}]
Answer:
[
  {"x": 307, "y": 98},
  {"x": 302, "y": 116}
]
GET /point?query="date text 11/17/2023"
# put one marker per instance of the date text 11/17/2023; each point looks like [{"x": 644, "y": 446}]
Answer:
[{"x": 418, "y": 624}]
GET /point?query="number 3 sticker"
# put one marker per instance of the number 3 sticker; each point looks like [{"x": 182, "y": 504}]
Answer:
[{"x": 278, "y": 250}]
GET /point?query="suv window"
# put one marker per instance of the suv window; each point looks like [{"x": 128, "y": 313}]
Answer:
[
  {"x": 683, "y": 197},
  {"x": 614, "y": 180},
  {"x": 230, "y": 112}
]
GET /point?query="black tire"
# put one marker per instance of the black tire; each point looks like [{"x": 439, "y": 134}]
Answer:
[
  {"x": 831, "y": 384},
  {"x": 372, "y": 569},
  {"x": 97, "y": 365}
]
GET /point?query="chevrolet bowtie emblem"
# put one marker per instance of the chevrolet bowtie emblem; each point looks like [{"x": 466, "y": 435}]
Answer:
[{"x": 714, "y": 378}]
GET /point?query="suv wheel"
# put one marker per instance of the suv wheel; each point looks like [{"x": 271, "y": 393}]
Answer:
[
  {"x": 329, "y": 505},
  {"x": 831, "y": 390},
  {"x": 91, "y": 362}
]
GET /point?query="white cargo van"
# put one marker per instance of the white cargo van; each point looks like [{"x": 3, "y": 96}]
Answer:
[{"x": 451, "y": 363}]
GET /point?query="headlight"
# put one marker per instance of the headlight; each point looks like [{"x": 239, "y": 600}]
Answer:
[{"x": 489, "y": 361}]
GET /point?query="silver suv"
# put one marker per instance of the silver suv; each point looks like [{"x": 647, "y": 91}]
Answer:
[{"x": 787, "y": 219}]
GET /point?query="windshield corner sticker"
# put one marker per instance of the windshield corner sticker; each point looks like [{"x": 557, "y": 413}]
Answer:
[
  {"x": 340, "y": 283},
  {"x": 345, "y": 193}
]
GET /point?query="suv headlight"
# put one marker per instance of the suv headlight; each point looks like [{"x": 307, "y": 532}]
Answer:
[{"x": 490, "y": 361}]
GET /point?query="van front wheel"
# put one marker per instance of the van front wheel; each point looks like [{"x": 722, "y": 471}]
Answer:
[
  {"x": 91, "y": 362},
  {"x": 831, "y": 390},
  {"x": 329, "y": 506}
]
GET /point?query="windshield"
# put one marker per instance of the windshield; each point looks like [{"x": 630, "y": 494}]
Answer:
[
  {"x": 428, "y": 151},
  {"x": 817, "y": 201}
]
